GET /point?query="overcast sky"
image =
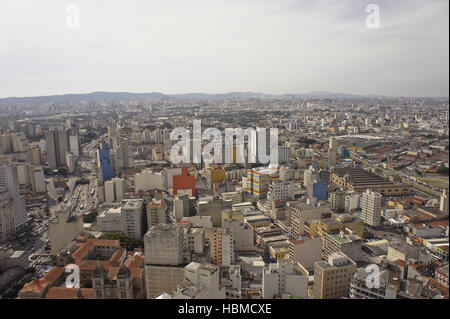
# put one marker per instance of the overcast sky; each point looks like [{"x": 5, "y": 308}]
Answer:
[{"x": 212, "y": 46}]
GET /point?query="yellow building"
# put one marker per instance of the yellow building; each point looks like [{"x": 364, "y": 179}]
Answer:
[
  {"x": 215, "y": 175},
  {"x": 332, "y": 277}
]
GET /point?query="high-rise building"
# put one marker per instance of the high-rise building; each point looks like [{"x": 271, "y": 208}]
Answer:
[
  {"x": 104, "y": 161},
  {"x": 57, "y": 145},
  {"x": 332, "y": 278},
  {"x": 221, "y": 243},
  {"x": 7, "y": 226},
  {"x": 132, "y": 214},
  {"x": 371, "y": 208},
  {"x": 281, "y": 191},
  {"x": 215, "y": 175},
  {"x": 9, "y": 180},
  {"x": 285, "y": 278},
  {"x": 259, "y": 179},
  {"x": 164, "y": 262},
  {"x": 338, "y": 201},
  {"x": 320, "y": 190},
  {"x": 156, "y": 213}
]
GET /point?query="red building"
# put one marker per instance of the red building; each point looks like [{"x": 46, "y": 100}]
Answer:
[{"x": 185, "y": 181}]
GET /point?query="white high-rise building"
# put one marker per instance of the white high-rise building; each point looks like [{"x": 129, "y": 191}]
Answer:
[
  {"x": 132, "y": 214},
  {"x": 285, "y": 277},
  {"x": 352, "y": 202},
  {"x": 7, "y": 228},
  {"x": 280, "y": 190},
  {"x": 371, "y": 207},
  {"x": 109, "y": 192},
  {"x": 9, "y": 179}
]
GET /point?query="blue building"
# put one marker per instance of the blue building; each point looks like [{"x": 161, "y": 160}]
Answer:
[
  {"x": 320, "y": 190},
  {"x": 345, "y": 153},
  {"x": 104, "y": 160}
]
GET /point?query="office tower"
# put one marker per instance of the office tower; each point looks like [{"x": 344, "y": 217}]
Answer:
[
  {"x": 132, "y": 214},
  {"x": 104, "y": 161},
  {"x": 181, "y": 207},
  {"x": 109, "y": 192},
  {"x": 74, "y": 141},
  {"x": 164, "y": 262},
  {"x": 306, "y": 251},
  {"x": 243, "y": 235},
  {"x": 123, "y": 157},
  {"x": 352, "y": 202},
  {"x": 63, "y": 145},
  {"x": 338, "y": 201},
  {"x": 280, "y": 191},
  {"x": 345, "y": 241},
  {"x": 36, "y": 155},
  {"x": 214, "y": 207},
  {"x": 259, "y": 179},
  {"x": 147, "y": 180},
  {"x": 9, "y": 180},
  {"x": 221, "y": 243},
  {"x": 119, "y": 188},
  {"x": 71, "y": 162},
  {"x": 215, "y": 175},
  {"x": 332, "y": 278},
  {"x": 7, "y": 228},
  {"x": 156, "y": 213},
  {"x": 303, "y": 212},
  {"x": 147, "y": 136},
  {"x": 309, "y": 176},
  {"x": 52, "y": 154},
  {"x": 37, "y": 179},
  {"x": 371, "y": 207},
  {"x": 285, "y": 278},
  {"x": 320, "y": 190},
  {"x": 158, "y": 136},
  {"x": 57, "y": 145}
]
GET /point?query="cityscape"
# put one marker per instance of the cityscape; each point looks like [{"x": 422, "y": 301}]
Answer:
[{"x": 353, "y": 204}]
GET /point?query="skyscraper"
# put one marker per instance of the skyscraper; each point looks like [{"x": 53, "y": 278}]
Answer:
[
  {"x": 58, "y": 145},
  {"x": 104, "y": 161},
  {"x": 371, "y": 207},
  {"x": 9, "y": 180}
]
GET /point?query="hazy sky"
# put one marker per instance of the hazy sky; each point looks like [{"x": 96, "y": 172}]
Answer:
[{"x": 267, "y": 46}]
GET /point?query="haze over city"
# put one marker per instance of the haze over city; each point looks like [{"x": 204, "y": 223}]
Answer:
[{"x": 272, "y": 47}]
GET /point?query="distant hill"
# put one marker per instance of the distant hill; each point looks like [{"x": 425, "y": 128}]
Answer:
[{"x": 121, "y": 96}]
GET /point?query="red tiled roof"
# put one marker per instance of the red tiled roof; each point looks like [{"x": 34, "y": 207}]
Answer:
[{"x": 68, "y": 293}]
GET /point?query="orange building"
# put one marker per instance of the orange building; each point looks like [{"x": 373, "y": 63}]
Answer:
[{"x": 184, "y": 181}]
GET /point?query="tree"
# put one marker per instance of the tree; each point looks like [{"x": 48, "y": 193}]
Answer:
[
  {"x": 90, "y": 217},
  {"x": 126, "y": 241}
]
